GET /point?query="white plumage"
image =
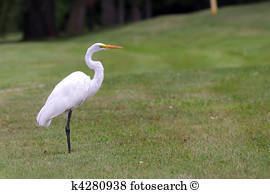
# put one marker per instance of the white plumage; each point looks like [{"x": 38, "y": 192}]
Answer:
[{"x": 73, "y": 90}]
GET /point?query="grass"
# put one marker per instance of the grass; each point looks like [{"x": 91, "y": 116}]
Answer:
[{"x": 188, "y": 97}]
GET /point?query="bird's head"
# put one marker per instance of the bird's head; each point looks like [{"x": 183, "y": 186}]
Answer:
[
  {"x": 95, "y": 48},
  {"x": 100, "y": 46}
]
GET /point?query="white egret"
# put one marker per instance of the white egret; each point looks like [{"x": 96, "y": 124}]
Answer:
[{"x": 73, "y": 90}]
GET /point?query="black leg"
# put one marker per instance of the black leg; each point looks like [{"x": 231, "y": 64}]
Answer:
[{"x": 68, "y": 130}]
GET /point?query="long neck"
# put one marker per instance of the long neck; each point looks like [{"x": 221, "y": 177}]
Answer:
[{"x": 97, "y": 67}]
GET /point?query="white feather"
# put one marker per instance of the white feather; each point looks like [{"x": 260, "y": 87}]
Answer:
[
  {"x": 73, "y": 90},
  {"x": 67, "y": 94}
]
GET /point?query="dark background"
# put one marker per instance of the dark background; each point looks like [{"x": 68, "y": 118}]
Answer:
[{"x": 42, "y": 19}]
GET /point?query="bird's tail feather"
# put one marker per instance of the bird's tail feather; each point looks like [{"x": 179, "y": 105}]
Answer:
[{"x": 41, "y": 118}]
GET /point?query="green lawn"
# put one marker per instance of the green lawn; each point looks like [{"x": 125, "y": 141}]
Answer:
[{"x": 188, "y": 97}]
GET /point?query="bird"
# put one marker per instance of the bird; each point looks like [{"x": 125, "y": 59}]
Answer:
[{"x": 74, "y": 90}]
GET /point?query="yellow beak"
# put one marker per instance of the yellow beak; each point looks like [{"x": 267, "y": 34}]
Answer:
[{"x": 110, "y": 46}]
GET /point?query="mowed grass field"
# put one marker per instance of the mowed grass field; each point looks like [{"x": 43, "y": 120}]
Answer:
[{"x": 188, "y": 97}]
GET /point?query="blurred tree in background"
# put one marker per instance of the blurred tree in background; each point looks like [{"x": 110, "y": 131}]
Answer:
[
  {"x": 135, "y": 10},
  {"x": 9, "y": 16},
  {"x": 108, "y": 12},
  {"x": 41, "y": 19},
  {"x": 121, "y": 11},
  {"x": 77, "y": 16}
]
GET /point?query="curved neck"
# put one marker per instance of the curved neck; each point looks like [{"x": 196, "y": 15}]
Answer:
[
  {"x": 89, "y": 61},
  {"x": 97, "y": 67}
]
